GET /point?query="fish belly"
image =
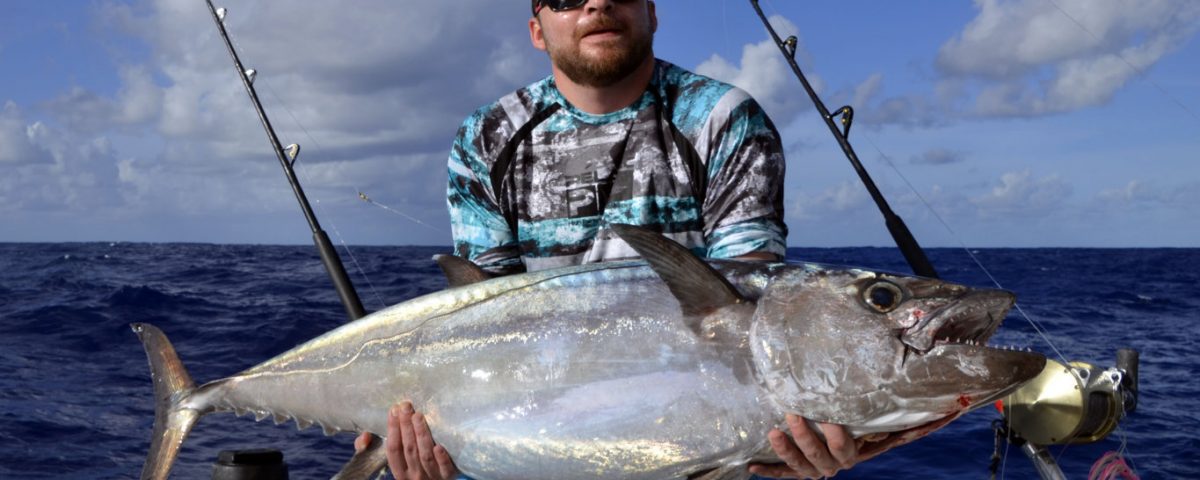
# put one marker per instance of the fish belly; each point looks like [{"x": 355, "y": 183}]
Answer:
[{"x": 564, "y": 380}]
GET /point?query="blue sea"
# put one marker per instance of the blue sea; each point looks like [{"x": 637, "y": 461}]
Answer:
[{"x": 76, "y": 398}]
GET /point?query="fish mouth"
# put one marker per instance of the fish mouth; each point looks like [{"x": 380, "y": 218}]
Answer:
[
  {"x": 952, "y": 341},
  {"x": 970, "y": 320},
  {"x": 1010, "y": 368},
  {"x": 950, "y": 347}
]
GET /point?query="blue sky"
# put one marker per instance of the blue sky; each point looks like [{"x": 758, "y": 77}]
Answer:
[{"x": 1019, "y": 123}]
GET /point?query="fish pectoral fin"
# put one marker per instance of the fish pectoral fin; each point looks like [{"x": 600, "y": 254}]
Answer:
[
  {"x": 365, "y": 464},
  {"x": 460, "y": 271},
  {"x": 699, "y": 288}
]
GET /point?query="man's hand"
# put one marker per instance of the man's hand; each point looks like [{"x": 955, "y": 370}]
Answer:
[
  {"x": 411, "y": 453},
  {"x": 805, "y": 455}
]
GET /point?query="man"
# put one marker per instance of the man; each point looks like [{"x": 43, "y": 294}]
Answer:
[{"x": 614, "y": 136}]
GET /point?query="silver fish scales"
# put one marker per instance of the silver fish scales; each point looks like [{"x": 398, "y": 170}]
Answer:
[{"x": 667, "y": 368}]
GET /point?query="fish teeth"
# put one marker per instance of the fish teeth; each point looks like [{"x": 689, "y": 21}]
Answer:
[
  {"x": 329, "y": 431},
  {"x": 279, "y": 418},
  {"x": 241, "y": 412},
  {"x": 260, "y": 415}
]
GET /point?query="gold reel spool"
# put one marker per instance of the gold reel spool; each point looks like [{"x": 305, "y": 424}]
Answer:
[{"x": 1067, "y": 404}]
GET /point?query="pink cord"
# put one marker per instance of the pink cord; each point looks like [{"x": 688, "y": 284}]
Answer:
[{"x": 1110, "y": 466}]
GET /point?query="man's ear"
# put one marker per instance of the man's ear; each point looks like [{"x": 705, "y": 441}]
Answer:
[
  {"x": 536, "y": 36},
  {"x": 653, "y": 16}
]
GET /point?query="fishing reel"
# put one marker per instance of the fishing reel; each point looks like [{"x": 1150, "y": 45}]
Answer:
[{"x": 1075, "y": 403}]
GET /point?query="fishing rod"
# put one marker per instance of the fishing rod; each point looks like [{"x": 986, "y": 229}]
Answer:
[
  {"x": 1068, "y": 403},
  {"x": 913, "y": 254},
  {"x": 287, "y": 158}
]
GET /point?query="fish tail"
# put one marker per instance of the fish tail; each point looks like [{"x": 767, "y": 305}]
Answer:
[{"x": 172, "y": 387}]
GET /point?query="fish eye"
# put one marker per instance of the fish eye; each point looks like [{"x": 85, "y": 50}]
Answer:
[{"x": 883, "y": 296}]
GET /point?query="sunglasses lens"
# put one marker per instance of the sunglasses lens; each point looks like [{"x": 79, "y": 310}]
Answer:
[{"x": 560, "y": 5}]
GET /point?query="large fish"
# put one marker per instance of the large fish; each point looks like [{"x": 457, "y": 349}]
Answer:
[{"x": 670, "y": 367}]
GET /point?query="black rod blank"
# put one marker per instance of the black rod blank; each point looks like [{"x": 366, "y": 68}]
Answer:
[
  {"x": 913, "y": 254},
  {"x": 329, "y": 256}
]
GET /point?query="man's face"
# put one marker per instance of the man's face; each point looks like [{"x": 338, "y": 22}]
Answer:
[{"x": 597, "y": 44}]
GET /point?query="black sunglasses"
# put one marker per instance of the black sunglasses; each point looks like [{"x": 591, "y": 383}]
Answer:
[{"x": 558, "y": 5}]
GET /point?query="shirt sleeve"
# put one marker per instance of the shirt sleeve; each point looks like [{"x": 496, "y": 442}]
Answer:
[
  {"x": 743, "y": 204},
  {"x": 481, "y": 233}
]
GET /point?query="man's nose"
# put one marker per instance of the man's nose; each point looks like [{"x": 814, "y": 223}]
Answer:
[{"x": 595, "y": 5}]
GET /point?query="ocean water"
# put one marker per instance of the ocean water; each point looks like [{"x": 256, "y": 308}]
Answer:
[{"x": 76, "y": 399}]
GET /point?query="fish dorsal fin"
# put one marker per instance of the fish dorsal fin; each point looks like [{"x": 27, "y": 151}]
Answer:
[
  {"x": 699, "y": 288},
  {"x": 460, "y": 271}
]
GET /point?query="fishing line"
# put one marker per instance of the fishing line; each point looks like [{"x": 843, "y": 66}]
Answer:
[
  {"x": 1004, "y": 460},
  {"x": 1140, "y": 73},
  {"x": 725, "y": 27},
  {"x": 1036, "y": 327},
  {"x": 235, "y": 39},
  {"x": 1114, "y": 463},
  {"x": 363, "y": 196},
  {"x": 908, "y": 245},
  {"x": 1121, "y": 434},
  {"x": 1123, "y": 449},
  {"x": 320, "y": 205}
]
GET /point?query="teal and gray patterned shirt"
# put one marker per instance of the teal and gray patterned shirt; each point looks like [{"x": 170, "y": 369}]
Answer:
[{"x": 534, "y": 182}]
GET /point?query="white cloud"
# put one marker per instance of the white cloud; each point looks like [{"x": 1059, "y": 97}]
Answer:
[
  {"x": 765, "y": 75},
  {"x": 1019, "y": 194},
  {"x": 1138, "y": 194},
  {"x": 374, "y": 93},
  {"x": 937, "y": 156},
  {"x": 833, "y": 202},
  {"x": 138, "y": 102},
  {"x": 139, "y": 99},
  {"x": 868, "y": 89},
  {"x": 1133, "y": 192},
  {"x": 18, "y": 139},
  {"x": 1033, "y": 57},
  {"x": 1024, "y": 58},
  {"x": 45, "y": 169}
]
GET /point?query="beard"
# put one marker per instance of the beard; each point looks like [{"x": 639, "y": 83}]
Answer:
[{"x": 613, "y": 61}]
